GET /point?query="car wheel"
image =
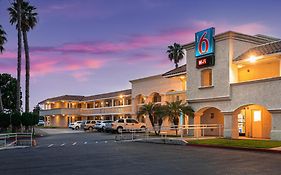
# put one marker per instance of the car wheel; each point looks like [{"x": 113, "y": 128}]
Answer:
[
  {"x": 119, "y": 130},
  {"x": 77, "y": 127},
  {"x": 102, "y": 129}
]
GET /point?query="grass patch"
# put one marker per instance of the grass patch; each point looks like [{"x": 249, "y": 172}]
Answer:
[{"x": 238, "y": 143}]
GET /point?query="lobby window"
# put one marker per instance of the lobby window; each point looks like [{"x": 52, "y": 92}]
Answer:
[{"x": 206, "y": 78}]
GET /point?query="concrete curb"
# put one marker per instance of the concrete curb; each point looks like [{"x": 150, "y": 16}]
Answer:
[
  {"x": 236, "y": 148},
  {"x": 168, "y": 141}
]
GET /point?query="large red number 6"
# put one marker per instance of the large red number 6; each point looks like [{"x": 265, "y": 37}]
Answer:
[{"x": 201, "y": 41}]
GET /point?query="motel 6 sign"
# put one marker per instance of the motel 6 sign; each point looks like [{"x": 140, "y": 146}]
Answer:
[{"x": 205, "y": 48}]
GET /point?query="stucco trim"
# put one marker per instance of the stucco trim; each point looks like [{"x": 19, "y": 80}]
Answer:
[
  {"x": 274, "y": 111},
  {"x": 200, "y": 100},
  {"x": 257, "y": 81},
  {"x": 232, "y": 35}
]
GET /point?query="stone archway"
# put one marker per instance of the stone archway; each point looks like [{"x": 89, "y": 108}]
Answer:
[
  {"x": 252, "y": 121},
  {"x": 211, "y": 117}
]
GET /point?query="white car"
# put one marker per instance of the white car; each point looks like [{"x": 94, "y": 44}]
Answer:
[
  {"x": 41, "y": 123},
  {"x": 100, "y": 126},
  {"x": 129, "y": 124},
  {"x": 76, "y": 125}
]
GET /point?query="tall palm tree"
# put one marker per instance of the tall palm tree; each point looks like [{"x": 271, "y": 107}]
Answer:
[
  {"x": 175, "y": 109},
  {"x": 3, "y": 39},
  {"x": 28, "y": 22},
  {"x": 16, "y": 6},
  {"x": 175, "y": 53},
  {"x": 148, "y": 109}
]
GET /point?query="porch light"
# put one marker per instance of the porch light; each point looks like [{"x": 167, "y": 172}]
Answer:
[
  {"x": 120, "y": 96},
  {"x": 252, "y": 59},
  {"x": 240, "y": 66}
]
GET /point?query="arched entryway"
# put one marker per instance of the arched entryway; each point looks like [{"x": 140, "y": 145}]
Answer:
[
  {"x": 212, "y": 118},
  {"x": 252, "y": 121}
]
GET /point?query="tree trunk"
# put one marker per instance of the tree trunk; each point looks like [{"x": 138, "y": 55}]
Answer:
[
  {"x": 18, "y": 103},
  {"x": 1, "y": 102},
  {"x": 27, "y": 70}
]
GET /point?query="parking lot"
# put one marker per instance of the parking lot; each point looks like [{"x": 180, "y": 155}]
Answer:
[{"x": 99, "y": 153}]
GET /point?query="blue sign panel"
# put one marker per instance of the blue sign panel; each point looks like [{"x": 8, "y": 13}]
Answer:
[{"x": 204, "y": 42}]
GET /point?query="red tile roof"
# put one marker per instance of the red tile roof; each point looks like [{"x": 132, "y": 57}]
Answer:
[
  {"x": 177, "y": 71},
  {"x": 261, "y": 50}
]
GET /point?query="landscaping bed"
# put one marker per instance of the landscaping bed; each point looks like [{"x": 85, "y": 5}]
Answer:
[{"x": 239, "y": 143}]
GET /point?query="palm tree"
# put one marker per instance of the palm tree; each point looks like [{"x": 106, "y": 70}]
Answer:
[
  {"x": 28, "y": 22},
  {"x": 175, "y": 53},
  {"x": 160, "y": 112},
  {"x": 3, "y": 39},
  {"x": 148, "y": 109},
  {"x": 175, "y": 109},
  {"x": 16, "y": 6}
]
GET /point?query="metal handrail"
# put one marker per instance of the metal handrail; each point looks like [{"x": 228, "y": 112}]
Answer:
[{"x": 16, "y": 139}]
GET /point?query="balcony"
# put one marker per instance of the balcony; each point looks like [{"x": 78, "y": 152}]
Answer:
[
  {"x": 263, "y": 92},
  {"x": 115, "y": 110},
  {"x": 60, "y": 111},
  {"x": 127, "y": 109}
]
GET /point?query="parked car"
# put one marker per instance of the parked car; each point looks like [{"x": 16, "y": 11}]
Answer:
[
  {"x": 41, "y": 123},
  {"x": 100, "y": 126},
  {"x": 123, "y": 125},
  {"x": 108, "y": 127},
  {"x": 89, "y": 125},
  {"x": 76, "y": 125}
]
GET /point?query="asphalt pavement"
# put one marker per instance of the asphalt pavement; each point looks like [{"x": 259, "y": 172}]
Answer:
[{"x": 99, "y": 153}]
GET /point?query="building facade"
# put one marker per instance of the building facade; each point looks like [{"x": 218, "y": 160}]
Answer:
[
  {"x": 241, "y": 90},
  {"x": 237, "y": 86},
  {"x": 62, "y": 110}
]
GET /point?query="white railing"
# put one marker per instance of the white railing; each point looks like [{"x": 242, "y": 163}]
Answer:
[
  {"x": 199, "y": 130},
  {"x": 16, "y": 139}
]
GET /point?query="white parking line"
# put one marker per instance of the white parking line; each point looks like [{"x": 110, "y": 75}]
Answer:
[
  {"x": 74, "y": 143},
  {"x": 105, "y": 141},
  {"x": 50, "y": 145},
  {"x": 62, "y": 144},
  {"x": 85, "y": 143}
]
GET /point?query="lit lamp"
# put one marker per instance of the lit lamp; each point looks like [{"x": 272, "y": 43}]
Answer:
[{"x": 252, "y": 59}]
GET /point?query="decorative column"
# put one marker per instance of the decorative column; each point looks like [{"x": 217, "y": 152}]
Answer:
[
  {"x": 230, "y": 125},
  {"x": 197, "y": 121},
  {"x": 275, "y": 133}
]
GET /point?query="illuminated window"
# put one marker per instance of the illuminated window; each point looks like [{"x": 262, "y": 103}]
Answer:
[
  {"x": 257, "y": 116},
  {"x": 206, "y": 77}
]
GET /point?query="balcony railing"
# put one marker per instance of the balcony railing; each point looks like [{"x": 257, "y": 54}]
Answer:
[
  {"x": 65, "y": 111},
  {"x": 115, "y": 110}
]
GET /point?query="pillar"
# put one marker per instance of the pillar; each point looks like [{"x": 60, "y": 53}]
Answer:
[
  {"x": 230, "y": 125},
  {"x": 197, "y": 122},
  {"x": 275, "y": 133}
]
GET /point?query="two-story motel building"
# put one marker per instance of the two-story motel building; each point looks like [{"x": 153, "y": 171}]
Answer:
[{"x": 240, "y": 90}]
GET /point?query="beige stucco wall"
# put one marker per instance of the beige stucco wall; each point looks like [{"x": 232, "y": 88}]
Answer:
[
  {"x": 226, "y": 96},
  {"x": 158, "y": 83},
  {"x": 154, "y": 84}
]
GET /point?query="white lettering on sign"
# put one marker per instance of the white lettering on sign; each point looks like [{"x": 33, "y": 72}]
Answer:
[{"x": 203, "y": 61}]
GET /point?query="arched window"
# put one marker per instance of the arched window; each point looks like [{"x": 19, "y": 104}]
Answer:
[
  {"x": 156, "y": 98},
  {"x": 206, "y": 78}
]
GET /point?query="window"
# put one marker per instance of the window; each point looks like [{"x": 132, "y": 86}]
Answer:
[
  {"x": 156, "y": 98},
  {"x": 131, "y": 121},
  {"x": 206, "y": 78},
  {"x": 121, "y": 121}
]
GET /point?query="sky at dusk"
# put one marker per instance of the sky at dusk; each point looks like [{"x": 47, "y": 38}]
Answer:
[{"x": 85, "y": 47}]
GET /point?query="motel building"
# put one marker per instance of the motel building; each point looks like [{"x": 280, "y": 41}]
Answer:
[{"x": 230, "y": 79}]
